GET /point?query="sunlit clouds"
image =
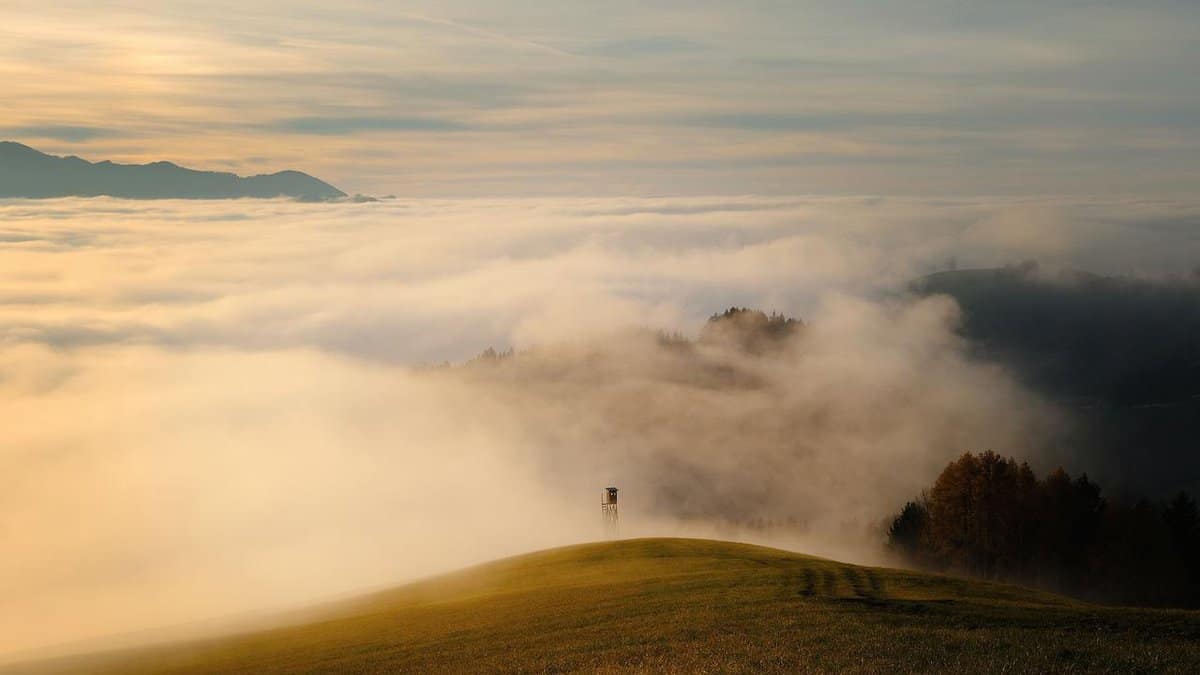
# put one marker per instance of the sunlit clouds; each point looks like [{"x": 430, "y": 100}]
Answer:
[
  {"x": 428, "y": 280},
  {"x": 215, "y": 407}
]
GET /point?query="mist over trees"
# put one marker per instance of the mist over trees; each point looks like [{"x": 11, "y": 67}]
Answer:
[
  {"x": 745, "y": 425},
  {"x": 753, "y": 424},
  {"x": 1121, "y": 354},
  {"x": 750, "y": 330},
  {"x": 992, "y": 517}
]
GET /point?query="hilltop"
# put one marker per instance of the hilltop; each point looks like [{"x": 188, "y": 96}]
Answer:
[
  {"x": 28, "y": 173},
  {"x": 684, "y": 605}
]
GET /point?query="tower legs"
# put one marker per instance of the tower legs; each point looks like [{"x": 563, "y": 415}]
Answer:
[{"x": 611, "y": 522}]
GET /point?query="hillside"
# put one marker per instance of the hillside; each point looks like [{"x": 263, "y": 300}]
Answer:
[
  {"x": 27, "y": 173},
  {"x": 1121, "y": 354},
  {"x": 663, "y": 605}
]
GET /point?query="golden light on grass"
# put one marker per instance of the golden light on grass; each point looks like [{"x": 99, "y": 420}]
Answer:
[{"x": 687, "y": 606}]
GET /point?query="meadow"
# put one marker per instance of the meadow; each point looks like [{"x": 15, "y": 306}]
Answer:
[{"x": 687, "y": 605}]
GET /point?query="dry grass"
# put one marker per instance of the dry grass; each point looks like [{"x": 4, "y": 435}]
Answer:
[{"x": 680, "y": 605}]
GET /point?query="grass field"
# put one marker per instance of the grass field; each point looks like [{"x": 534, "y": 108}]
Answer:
[{"x": 684, "y": 605}]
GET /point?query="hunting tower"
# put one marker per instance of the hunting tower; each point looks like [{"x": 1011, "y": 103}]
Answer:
[{"x": 608, "y": 508}]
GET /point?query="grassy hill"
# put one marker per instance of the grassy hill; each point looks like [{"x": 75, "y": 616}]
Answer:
[{"x": 683, "y": 605}]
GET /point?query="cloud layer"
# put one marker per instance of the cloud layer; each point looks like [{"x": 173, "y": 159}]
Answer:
[
  {"x": 421, "y": 281},
  {"x": 212, "y": 407}
]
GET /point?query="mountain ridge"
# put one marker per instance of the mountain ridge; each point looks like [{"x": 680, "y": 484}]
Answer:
[{"x": 26, "y": 172}]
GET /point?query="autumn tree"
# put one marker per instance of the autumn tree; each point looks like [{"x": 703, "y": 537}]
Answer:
[{"x": 989, "y": 516}]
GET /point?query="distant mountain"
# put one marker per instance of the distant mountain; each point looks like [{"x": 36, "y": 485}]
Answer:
[{"x": 25, "y": 172}]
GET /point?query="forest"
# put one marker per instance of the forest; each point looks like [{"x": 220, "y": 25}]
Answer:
[{"x": 991, "y": 517}]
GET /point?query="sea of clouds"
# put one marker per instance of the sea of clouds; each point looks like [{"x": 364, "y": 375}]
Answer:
[{"x": 217, "y": 407}]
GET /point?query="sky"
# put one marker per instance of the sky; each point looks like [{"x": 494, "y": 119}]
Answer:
[{"x": 470, "y": 98}]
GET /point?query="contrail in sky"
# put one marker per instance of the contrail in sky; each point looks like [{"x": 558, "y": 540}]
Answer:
[{"x": 486, "y": 34}]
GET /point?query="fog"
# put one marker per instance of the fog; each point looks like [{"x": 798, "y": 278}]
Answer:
[{"x": 222, "y": 407}]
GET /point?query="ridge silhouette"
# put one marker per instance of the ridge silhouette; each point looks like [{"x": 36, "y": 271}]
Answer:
[{"x": 29, "y": 173}]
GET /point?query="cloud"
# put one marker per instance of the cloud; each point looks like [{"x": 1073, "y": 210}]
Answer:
[
  {"x": 74, "y": 134},
  {"x": 349, "y": 125},
  {"x": 213, "y": 406},
  {"x": 577, "y": 100},
  {"x": 647, "y": 46},
  {"x": 411, "y": 280},
  {"x": 150, "y": 486}
]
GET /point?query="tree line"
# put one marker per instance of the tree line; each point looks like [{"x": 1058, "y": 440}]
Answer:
[{"x": 994, "y": 518}]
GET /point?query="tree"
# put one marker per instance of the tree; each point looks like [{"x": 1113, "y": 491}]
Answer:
[
  {"x": 952, "y": 513},
  {"x": 749, "y": 330},
  {"x": 995, "y": 511},
  {"x": 1183, "y": 524},
  {"x": 909, "y": 532},
  {"x": 989, "y": 516}
]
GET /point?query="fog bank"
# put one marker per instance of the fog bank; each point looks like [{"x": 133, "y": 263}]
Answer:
[{"x": 220, "y": 407}]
